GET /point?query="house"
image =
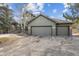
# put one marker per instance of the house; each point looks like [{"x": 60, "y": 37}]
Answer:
[
  {"x": 13, "y": 26},
  {"x": 44, "y": 26}
]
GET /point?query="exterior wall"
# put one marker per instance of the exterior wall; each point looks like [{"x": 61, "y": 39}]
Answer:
[
  {"x": 42, "y": 21},
  {"x": 70, "y": 31}
]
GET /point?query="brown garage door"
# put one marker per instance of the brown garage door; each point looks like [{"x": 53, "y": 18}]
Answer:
[{"x": 62, "y": 31}]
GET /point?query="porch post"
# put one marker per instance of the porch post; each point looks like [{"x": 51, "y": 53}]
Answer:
[{"x": 71, "y": 33}]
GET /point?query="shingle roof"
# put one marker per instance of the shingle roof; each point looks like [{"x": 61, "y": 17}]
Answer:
[
  {"x": 51, "y": 19},
  {"x": 60, "y": 21}
]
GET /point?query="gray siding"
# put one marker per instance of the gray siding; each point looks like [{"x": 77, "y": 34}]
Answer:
[{"x": 42, "y": 21}]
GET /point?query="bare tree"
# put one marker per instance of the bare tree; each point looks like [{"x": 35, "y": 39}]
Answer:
[{"x": 25, "y": 18}]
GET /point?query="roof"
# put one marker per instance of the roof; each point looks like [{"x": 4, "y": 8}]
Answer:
[
  {"x": 61, "y": 21},
  {"x": 30, "y": 13},
  {"x": 51, "y": 19},
  {"x": 13, "y": 22}
]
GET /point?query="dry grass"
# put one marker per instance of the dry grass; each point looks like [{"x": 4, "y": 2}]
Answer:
[
  {"x": 4, "y": 39},
  {"x": 7, "y": 38},
  {"x": 75, "y": 32}
]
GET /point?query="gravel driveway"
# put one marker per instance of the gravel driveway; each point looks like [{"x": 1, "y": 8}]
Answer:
[{"x": 40, "y": 46}]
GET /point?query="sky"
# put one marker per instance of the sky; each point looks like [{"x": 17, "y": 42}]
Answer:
[{"x": 53, "y": 10}]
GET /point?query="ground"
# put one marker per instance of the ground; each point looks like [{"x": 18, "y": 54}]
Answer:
[{"x": 39, "y": 46}]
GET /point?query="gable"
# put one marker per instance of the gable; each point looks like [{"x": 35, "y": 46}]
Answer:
[{"x": 39, "y": 21}]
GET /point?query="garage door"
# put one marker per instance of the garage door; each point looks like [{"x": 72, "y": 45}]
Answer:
[
  {"x": 41, "y": 30},
  {"x": 62, "y": 31}
]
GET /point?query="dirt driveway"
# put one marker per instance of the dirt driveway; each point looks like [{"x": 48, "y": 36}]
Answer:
[{"x": 40, "y": 46}]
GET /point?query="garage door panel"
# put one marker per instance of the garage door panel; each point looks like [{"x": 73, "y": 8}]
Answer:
[
  {"x": 41, "y": 31},
  {"x": 62, "y": 31}
]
